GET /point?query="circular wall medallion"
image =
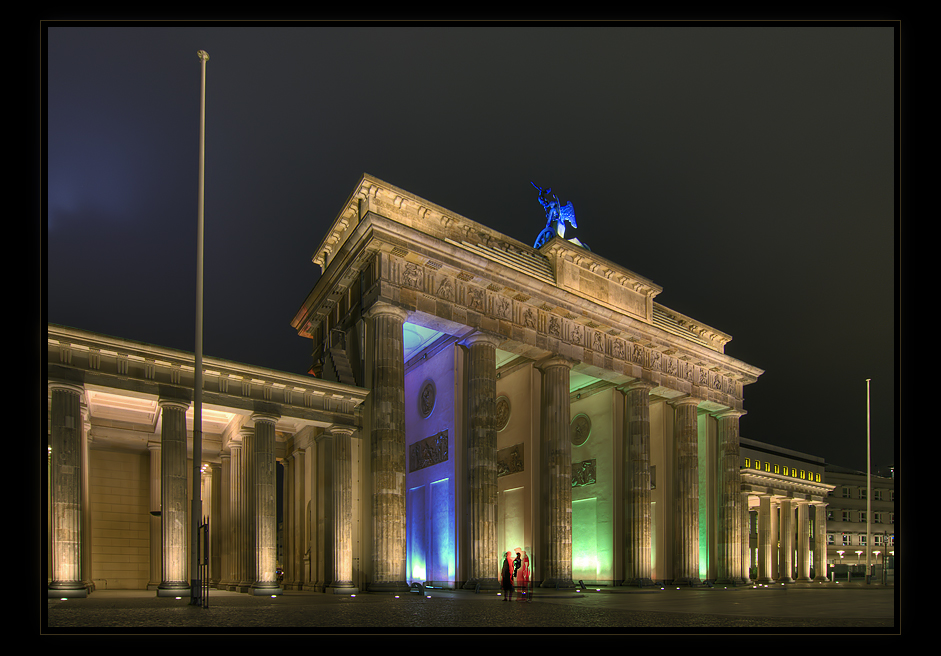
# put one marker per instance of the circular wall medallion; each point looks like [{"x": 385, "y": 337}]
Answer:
[
  {"x": 581, "y": 429},
  {"x": 503, "y": 413},
  {"x": 426, "y": 399}
]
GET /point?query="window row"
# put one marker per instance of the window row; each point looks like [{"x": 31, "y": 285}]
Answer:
[
  {"x": 878, "y": 495},
  {"x": 781, "y": 469},
  {"x": 851, "y": 539},
  {"x": 860, "y": 516}
]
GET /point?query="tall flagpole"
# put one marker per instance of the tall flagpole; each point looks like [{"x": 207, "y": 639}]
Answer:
[
  {"x": 195, "y": 584},
  {"x": 868, "y": 491}
]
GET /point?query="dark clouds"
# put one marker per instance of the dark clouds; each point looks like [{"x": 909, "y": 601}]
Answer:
[{"x": 747, "y": 170}]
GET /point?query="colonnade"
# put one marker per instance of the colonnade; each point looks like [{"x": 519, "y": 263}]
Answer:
[{"x": 784, "y": 534}]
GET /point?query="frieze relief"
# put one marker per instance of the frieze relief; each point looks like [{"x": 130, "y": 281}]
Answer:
[
  {"x": 429, "y": 451},
  {"x": 510, "y": 460},
  {"x": 584, "y": 473}
]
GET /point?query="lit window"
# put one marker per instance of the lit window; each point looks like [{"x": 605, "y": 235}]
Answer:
[
  {"x": 758, "y": 464},
  {"x": 777, "y": 469},
  {"x": 767, "y": 466},
  {"x": 748, "y": 462},
  {"x": 803, "y": 474},
  {"x": 817, "y": 477}
]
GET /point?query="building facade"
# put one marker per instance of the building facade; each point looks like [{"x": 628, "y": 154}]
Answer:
[
  {"x": 786, "y": 498},
  {"x": 848, "y": 535},
  {"x": 472, "y": 396},
  {"x": 120, "y": 453},
  {"x": 523, "y": 400}
]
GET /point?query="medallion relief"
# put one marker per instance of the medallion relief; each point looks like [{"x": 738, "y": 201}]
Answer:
[
  {"x": 426, "y": 398},
  {"x": 502, "y": 413},
  {"x": 580, "y": 429}
]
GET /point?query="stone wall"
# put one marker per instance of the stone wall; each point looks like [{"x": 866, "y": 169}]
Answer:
[{"x": 119, "y": 498}]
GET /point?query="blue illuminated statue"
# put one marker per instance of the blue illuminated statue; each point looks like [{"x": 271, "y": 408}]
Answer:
[{"x": 556, "y": 216}]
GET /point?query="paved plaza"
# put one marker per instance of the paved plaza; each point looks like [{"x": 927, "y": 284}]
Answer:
[{"x": 855, "y": 608}]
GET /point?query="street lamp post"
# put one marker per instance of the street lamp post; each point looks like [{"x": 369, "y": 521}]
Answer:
[
  {"x": 195, "y": 584},
  {"x": 868, "y": 491}
]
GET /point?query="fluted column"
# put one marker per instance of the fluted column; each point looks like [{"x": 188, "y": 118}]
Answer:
[
  {"x": 224, "y": 526},
  {"x": 67, "y": 473},
  {"x": 288, "y": 529},
  {"x": 235, "y": 515},
  {"x": 637, "y": 538},
  {"x": 765, "y": 538},
  {"x": 729, "y": 529},
  {"x": 686, "y": 491},
  {"x": 802, "y": 533},
  {"x": 215, "y": 523},
  {"x": 156, "y": 540},
  {"x": 786, "y": 539},
  {"x": 173, "y": 497},
  {"x": 342, "y": 507},
  {"x": 265, "y": 506},
  {"x": 555, "y": 434},
  {"x": 247, "y": 510},
  {"x": 387, "y": 442},
  {"x": 300, "y": 526},
  {"x": 820, "y": 542},
  {"x": 480, "y": 394}
]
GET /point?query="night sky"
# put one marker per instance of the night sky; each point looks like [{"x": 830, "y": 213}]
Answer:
[{"x": 749, "y": 170}]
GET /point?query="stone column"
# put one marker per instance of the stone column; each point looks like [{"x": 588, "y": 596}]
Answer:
[
  {"x": 236, "y": 522},
  {"x": 67, "y": 473},
  {"x": 300, "y": 526},
  {"x": 786, "y": 539},
  {"x": 156, "y": 539},
  {"x": 480, "y": 394},
  {"x": 803, "y": 542},
  {"x": 387, "y": 443},
  {"x": 637, "y": 538},
  {"x": 342, "y": 506},
  {"x": 247, "y": 510},
  {"x": 820, "y": 542},
  {"x": 686, "y": 491},
  {"x": 556, "y": 437},
  {"x": 729, "y": 528},
  {"x": 765, "y": 540},
  {"x": 215, "y": 524},
  {"x": 224, "y": 524},
  {"x": 265, "y": 502},
  {"x": 173, "y": 497},
  {"x": 288, "y": 527}
]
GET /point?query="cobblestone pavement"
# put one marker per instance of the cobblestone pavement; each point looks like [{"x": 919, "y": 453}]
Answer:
[{"x": 657, "y": 610}]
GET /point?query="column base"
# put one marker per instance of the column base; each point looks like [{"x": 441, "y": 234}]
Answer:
[
  {"x": 557, "y": 583},
  {"x": 342, "y": 589},
  {"x": 690, "y": 581},
  {"x": 68, "y": 590},
  {"x": 265, "y": 589},
  {"x": 173, "y": 590},
  {"x": 485, "y": 584},
  {"x": 639, "y": 583},
  {"x": 388, "y": 586}
]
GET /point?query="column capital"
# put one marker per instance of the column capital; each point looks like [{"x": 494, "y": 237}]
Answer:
[
  {"x": 265, "y": 417},
  {"x": 729, "y": 412},
  {"x": 174, "y": 404},
  {"x": 554, "y": 361},
  {"x": 382, "y": 307},
  {"x": 479, "y": 337},
  {"x": 684, "y": 400},
  {"x": 66, "y": 386},
  {"x": 637, "y": 384}
]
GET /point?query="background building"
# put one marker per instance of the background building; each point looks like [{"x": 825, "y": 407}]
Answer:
[{"x": 846, "y": 521}]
